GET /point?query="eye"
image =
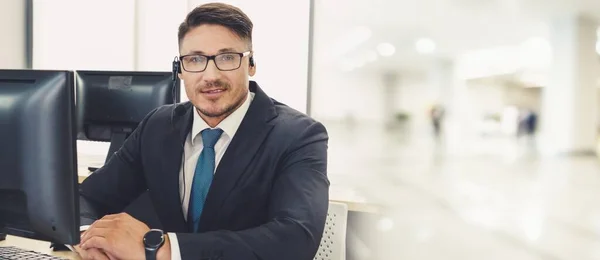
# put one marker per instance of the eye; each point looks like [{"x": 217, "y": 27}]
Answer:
[
  {"x": 195, "y": 59},
  {"x": 228, "y": 57}
]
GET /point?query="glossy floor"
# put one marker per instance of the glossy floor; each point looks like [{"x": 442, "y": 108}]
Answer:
[{"x": 485, "y": 198}]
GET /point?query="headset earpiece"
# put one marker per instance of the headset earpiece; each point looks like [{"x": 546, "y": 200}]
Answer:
[
  {"x": 251, "y": 61},
  {"x": 176, "y": 66}
]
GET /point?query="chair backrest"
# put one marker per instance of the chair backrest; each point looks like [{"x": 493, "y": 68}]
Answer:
[{"x": 333, "y": 243}]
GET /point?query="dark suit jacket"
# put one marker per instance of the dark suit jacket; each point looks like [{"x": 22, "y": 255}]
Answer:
[{"x": 270, "y": 193}]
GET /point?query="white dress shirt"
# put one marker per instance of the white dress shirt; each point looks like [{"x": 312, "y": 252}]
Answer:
[{"x": 192, "y": 149}]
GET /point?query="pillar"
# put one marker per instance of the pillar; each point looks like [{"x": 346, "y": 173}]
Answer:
[
  {"x": 569, "y": 114},
  {"x": 13, "y": 53}
]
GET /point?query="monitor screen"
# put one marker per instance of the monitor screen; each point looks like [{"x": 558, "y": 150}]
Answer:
[
  {"x": 110, "y": 104},
  {"x": 117, "y": 101}
]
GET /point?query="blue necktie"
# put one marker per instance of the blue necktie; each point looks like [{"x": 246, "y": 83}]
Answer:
[{"x": 203, "y": 175}]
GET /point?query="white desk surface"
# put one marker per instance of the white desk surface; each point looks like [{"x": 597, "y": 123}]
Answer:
[{"x": 37, "y": 246}]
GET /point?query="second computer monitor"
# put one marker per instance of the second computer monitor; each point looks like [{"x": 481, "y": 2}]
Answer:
[{"x": 112, "y": 103}]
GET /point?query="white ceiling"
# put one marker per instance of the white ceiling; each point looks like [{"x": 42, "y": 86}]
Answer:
[{"x": 456, "y": 26}]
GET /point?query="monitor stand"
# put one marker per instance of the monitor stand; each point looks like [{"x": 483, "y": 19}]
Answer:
[{"x": 116, "y": 141}]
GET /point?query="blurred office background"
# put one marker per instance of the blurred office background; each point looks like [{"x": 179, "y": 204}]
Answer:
[{"x": 471, "y": 125}]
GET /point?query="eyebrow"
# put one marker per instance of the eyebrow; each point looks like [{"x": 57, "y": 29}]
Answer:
[{"x": 220, "y": 51}]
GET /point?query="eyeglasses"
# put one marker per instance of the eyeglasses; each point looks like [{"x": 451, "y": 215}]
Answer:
[{"x": 224, "y": 61}]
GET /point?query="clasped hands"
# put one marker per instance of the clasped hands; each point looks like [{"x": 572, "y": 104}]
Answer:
[{"x": 117, "y": 237}]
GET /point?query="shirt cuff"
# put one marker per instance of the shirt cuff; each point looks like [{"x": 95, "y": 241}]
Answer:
[{"x": 175, "y": 253}]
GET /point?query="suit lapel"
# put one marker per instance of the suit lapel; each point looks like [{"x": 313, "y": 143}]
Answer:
[
  {"x": 252, "y": 132},
  {"x": 172, "y": 156}
]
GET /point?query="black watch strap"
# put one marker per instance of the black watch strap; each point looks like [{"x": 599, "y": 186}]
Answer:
[{"x": 151, "y": 254}]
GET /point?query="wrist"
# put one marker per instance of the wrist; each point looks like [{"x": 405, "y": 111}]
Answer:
[
  {"x": 164, "y": 252},
  {"x": 155, "y": 240}
]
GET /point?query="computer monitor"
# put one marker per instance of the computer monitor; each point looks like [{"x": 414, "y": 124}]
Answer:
[
  {"x": 38, "y": 164},
  {"x": 112, "y": 103}
]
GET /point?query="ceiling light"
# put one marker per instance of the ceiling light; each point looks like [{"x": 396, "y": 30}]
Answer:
[
  {"x": 425, "y": 46},
  {"x": 386, "y": 49}
]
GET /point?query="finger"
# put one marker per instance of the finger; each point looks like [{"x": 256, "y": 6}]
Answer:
[
  {"x": 111, "y": 217},
  {"x": 106, "y": 220},
  {"x": 79, "y": 251},
  {"x": 116, "y": 216},
  {"x": 102, "y": 223},
  {"x": 96, "y": 232},
  {"x": 82, "y": 253},
  {"x": 97, "y": 242}
]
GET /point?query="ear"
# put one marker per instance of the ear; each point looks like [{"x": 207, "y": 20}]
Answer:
[{"x": 252, "y": 70}]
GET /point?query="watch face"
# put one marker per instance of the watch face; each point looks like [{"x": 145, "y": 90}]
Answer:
[{"x": 153, "y": 238}]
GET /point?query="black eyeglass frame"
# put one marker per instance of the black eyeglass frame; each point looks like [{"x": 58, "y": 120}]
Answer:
[{"x": 213, "y": 58}]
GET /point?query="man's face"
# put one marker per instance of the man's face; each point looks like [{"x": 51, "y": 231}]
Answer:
[{"x": 215, "y": 93}]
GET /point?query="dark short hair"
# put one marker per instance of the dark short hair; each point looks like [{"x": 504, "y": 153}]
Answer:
[{"x": 222, "y": 14}]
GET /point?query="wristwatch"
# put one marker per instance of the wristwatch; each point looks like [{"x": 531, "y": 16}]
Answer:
[{"x": 153, "y": 240}]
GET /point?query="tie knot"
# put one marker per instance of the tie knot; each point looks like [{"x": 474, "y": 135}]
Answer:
[{"x": 210, "y": 137}]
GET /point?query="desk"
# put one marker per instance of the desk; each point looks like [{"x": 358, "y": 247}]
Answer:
[{"x": 37, "y": 246}]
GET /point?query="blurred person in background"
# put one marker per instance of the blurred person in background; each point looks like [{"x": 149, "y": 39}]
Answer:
[{"x": 436, "y": 115}]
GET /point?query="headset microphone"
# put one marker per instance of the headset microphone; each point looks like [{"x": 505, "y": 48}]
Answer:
[{"x": 176, "y": 68}]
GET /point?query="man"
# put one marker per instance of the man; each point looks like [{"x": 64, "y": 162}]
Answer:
[{"x": 232, "y": 174}]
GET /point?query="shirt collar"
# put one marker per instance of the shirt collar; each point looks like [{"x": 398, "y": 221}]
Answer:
[{"x": 229, "y": 125}]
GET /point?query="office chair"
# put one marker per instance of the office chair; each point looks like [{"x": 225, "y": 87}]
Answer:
[{"x": 333, "y": 243}]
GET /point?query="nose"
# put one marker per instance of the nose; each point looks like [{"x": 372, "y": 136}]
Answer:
[{"x": 211, "y": 73}]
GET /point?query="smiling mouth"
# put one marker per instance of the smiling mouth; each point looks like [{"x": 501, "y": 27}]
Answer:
[
  {"x": 213, "y": 91},
  {"x": 213, "y": 94}
]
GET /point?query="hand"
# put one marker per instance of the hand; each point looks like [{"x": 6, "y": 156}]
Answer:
[
  {"x": 119, "y": 236},
  {"x": 92, "y": 254}
]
